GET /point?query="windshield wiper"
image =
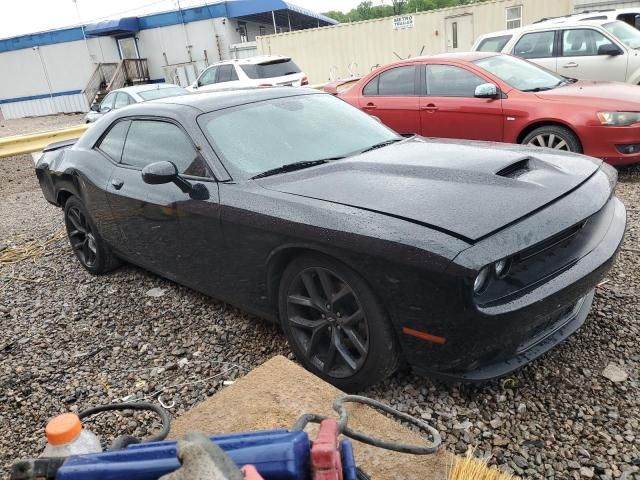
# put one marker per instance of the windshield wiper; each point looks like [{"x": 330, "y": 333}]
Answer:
[
  {"x": 561, "y": 83},
  {"x": 382, "y": 144},
  {"x": 292, "y": 167}
]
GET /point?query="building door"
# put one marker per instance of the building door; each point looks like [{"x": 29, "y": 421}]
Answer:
[
  {"x": 128, "y": 48},
  {"x": 459, "y": 36}
]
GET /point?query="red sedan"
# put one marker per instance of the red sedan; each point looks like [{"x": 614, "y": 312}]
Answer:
[{"x": 487, "y": 96}]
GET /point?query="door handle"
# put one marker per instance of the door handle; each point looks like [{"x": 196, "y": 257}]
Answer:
[
  {"x": 370, "y": 106},
  {"x": 570, "y": 65},
  {"x": 429, "y": 108},
  {"x": 117, "y": 183}
]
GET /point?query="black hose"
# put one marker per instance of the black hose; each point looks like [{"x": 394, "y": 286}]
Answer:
[
  {"x": 344, "y": 429},
  {"x": 123, "y": 441}
]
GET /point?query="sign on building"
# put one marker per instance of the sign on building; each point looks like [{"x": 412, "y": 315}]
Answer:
[{"x": 404, "y": 21}]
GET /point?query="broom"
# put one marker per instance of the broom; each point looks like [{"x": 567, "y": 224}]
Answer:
[{"x": 471, "y": 468}]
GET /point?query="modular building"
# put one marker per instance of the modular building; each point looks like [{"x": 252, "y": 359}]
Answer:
[
  {"x": 354, "y": 49},
  {"x": 64, "y": 70}
]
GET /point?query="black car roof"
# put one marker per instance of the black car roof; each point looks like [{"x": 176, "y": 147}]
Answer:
[{"x": 210, "y": 101}]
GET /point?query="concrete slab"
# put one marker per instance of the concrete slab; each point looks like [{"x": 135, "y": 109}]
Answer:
[{"x": 275, "y": 394}]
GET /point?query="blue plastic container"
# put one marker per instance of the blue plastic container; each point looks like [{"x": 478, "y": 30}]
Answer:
[{"x": 276, "y": 454}]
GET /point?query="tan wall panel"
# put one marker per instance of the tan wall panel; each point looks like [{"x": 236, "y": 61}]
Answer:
[{"x": 355, "y": 48}]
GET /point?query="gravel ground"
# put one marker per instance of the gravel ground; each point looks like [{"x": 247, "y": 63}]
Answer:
[
  {"x": 19, "y": 126},
  {"x": 71, "y": 340}
]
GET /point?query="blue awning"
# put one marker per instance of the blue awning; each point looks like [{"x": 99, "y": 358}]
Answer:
[
  {"x": 122, "y": 26},
  {"x": 285, "y": 12}
]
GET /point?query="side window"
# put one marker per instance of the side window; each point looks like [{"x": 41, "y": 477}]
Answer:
[
  {"x": 493, "y": 44},
  {"x": 226, "y": 73},
  {"x": 151, "y": 141},
  {"x": 112, "y": 143},
  {"x": 208, "y": 77},
  {"x": 122, "y": 100},
  {"x": 535, "y": 45},
  {"x": 450, "y": 81},
  {"x": 397, "y": 82},
  {"x": 582, "y": 42},
  {"x": 107, "y": 102}
]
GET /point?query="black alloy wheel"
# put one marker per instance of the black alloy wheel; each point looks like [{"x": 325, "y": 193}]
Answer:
[
  {"x": 333, "y": 323},
  {"x": 92, "y": 252}
]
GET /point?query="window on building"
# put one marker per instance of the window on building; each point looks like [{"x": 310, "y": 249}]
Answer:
[
  {"x": 263, "y": 30},
  {"x": 514, "y": 17},
  {"x": 454, "y": 30},
  {"x": 450, "y": 81},
  {"x": 535, "y": 45},
  {"x": 152, "y": 141},
  {"x": 493, "y": 44},
  {"x": 396, "y": 82},
  {"x": 112, "y": 143}
]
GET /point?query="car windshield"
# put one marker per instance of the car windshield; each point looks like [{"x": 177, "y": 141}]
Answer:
[
  {"x": 162, "y": 93},
  {"x": 262, "y": 136},
  {"x": 520, "y": 74},
  {"x": 625, "y": 33},
  {"x": 276, "y": 68}
]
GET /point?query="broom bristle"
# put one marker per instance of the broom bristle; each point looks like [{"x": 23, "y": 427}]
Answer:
[{"x": 471, "y": 468}]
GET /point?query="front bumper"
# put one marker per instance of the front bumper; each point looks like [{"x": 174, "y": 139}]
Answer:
[
  {"x": 488, "y": 342},
  {"x": 605, "y": 141}
]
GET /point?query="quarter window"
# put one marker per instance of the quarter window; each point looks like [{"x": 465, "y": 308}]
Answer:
[
  {"x": 535, "y": 45},
  {"x": 152, "y": 141},
  {"x": 112, "y": 143},
  {"x": 582, "y": 42},
  {"x": 450, "y": 81},
  {"x": 514, "y": 17},
  {"x": 397, "y": 82}
]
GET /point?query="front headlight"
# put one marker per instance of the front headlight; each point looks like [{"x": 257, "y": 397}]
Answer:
[
  {"x": 618, "y": 119},
  {"x": 481, "y": 280}
]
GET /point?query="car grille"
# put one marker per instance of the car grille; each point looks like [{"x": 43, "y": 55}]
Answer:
[{"x": 550, "y": 325}]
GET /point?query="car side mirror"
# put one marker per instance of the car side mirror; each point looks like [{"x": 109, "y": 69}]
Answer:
[
  {"x": 95, "y": 107},
  {"x": 196, "y": 84},
  {"x": 609, "y": 49},
  {"x": 486, "y": 90},
  {"x": 104, "y": 109},
  {"x": 158, "y": 173}
]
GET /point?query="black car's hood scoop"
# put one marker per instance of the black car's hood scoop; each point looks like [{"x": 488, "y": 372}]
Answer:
[{"x": 469, "y": 189}]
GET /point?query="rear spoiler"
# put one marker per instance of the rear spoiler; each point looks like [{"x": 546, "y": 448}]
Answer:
[
  {"x": 59, "y": 145},
  {"x": 339, "y": 86}
]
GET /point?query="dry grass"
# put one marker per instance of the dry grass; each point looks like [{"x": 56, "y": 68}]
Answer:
[
  {"x": 471, "y": 468},
  {"x": 30, "y": 250}
]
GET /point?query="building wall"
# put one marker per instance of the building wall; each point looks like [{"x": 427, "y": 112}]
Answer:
[
  {"x": 581, "y": 5},
  {"x": 347, "y": 49}
]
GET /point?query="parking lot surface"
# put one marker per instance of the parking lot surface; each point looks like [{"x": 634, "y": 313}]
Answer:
[{"x": 71, "y": 340}]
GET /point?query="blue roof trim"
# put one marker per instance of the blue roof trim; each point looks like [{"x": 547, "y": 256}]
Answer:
[
  {"x": 39, "y": 97},
  {"x": 42, "y": 38},
  {"x": 229, "y": 8},
  {"x": 122, "y": 26}
]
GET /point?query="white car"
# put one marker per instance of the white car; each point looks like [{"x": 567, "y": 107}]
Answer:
[
  {"x": 126, "y": 96},
  {"x": 582, "y": 49},
  {"x": 267, "y": 70},
  {"x": 627, "y": 15}
]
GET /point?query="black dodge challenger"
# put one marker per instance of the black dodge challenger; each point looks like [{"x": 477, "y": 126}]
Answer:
[{"x": 465, "y": 260}]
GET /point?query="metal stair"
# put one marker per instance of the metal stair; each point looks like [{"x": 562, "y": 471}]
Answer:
[{"x": 111, "y": 76}]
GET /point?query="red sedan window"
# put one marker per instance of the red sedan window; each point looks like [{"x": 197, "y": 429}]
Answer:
[{"x": 395, "y": 82}]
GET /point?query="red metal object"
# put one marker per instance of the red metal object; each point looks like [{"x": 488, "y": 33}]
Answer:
[{"x": 325, "y": 456}]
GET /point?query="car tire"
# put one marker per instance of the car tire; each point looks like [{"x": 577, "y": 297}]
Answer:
[
  {"x": 349, "y": 350},
  {"x": 554, "y": 136},
  {"x": 90, "y": 249}
]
